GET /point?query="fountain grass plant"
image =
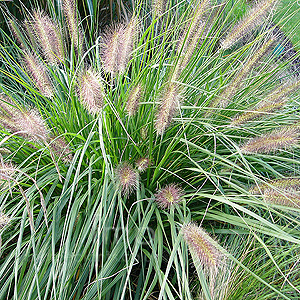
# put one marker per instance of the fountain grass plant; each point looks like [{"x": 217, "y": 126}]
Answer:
[{"x": 149, "y": 161}]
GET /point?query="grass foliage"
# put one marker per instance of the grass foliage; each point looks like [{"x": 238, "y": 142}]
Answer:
[{"x": 113, "y": 146}]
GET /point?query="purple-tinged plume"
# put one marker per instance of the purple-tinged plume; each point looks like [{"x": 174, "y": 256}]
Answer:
[
  {"x": 202, "y": 246},
  {"x": 92, "y": 91},
  {"x": 169, "y": 195},
  {"x": 126, "y": 178}
]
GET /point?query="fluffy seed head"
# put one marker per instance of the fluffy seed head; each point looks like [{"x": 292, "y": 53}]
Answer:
[
  {"x": 261, "y": 110},
  {"x": 32, "y": 124},
  {"x": 117, "y": 46},
  {"x": 29, "y": 122},
  {"x": 143, "y": 164},
  {"x": 254, "y": 18},
  {"x": 169, "y": 105},
  {"x": 38, "y": 73},
  {"x": 48, "y": 35},
  {"x": 70, "y": 13},
  {"x": 285, "y": 138},
  {"x": 92, "y": 92},
  {"x": 169, "y": 195},
  {"x": 282, "y": 183},
  {"x": 202, "y": 246},
  {"x": 126, "y": 178},
  {"x": 133, "y": 100},
  {"x": 159, "y": 7},
  {"x": 288, "y": 197},
  {"x": 4, "y": 220}
]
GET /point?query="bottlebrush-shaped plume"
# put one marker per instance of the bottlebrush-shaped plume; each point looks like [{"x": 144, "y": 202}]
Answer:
[
  {"x": 133, "y": 100},
  {"x": 127, "y": 43},
  {"x": 254, "y": 18},
  {"x": 92, "y": 91},
  {"x": 71, "y": 15},
  {"x": 262, "y": 109},
  {"x": 288, "y": 197},
  {"x": 48, "y": 35},
  {"x": 284, "y": 138},
  {"x": 126, "y": 178},
  {"x": 202, "y": 247},
  {"x": 169, "y": 195},
  {"x": 61, "y": 149},
  {"x": 159, "y": 7},
  {"x": 284, "y": 90},
  {"x": 282, "y": 184},
  {"x": 236, "y": 83},
  {"x": 4, "y": 220},
  {"x": 170, "y": 103},
  {"x": 28, "y": 123},
  {"x": 37, "y": 71},
  {"x": 117, "y": 46},
  {"x": 143, "y": 164}
]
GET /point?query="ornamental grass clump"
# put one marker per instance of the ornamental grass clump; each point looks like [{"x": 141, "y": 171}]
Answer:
[{"x": 109, "y": 145}]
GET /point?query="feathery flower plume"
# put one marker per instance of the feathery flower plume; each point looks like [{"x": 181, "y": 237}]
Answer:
[
  {"x": 32, "y": 124},
  {"x": 38, "y": 73},
  {"x": 133, "y": 100},
  {"x": 236, "y": 83},
  {"x": 4, "y": 220},
  {"x": 288, "y": 197},
  {"x": 261, "y": 110},
  {"x": 282, "y": 184},
  {"x": 70, "y": 13},
  {"x": 143, "y": 164},
  {"x": 169, "y": 105},
  {"x": 29, "y": 122},
  {"x": 47, "y": 33},
  {"x": 126, "y": 178},
  {"x": 117, "y": 46},
  {"x": 202, "y": 247},
  {"x": 284, "y": 138},
  {"x": 169, "y": 195},
  {"x": 284, "y": 90},
  {"x": 254, "y": 18},
  {"x": 159, "y": 7},
  {"x": 126, "y": 44},
  {"x": 61, "y": 149},
  {"x": 92, "y": 91}
]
